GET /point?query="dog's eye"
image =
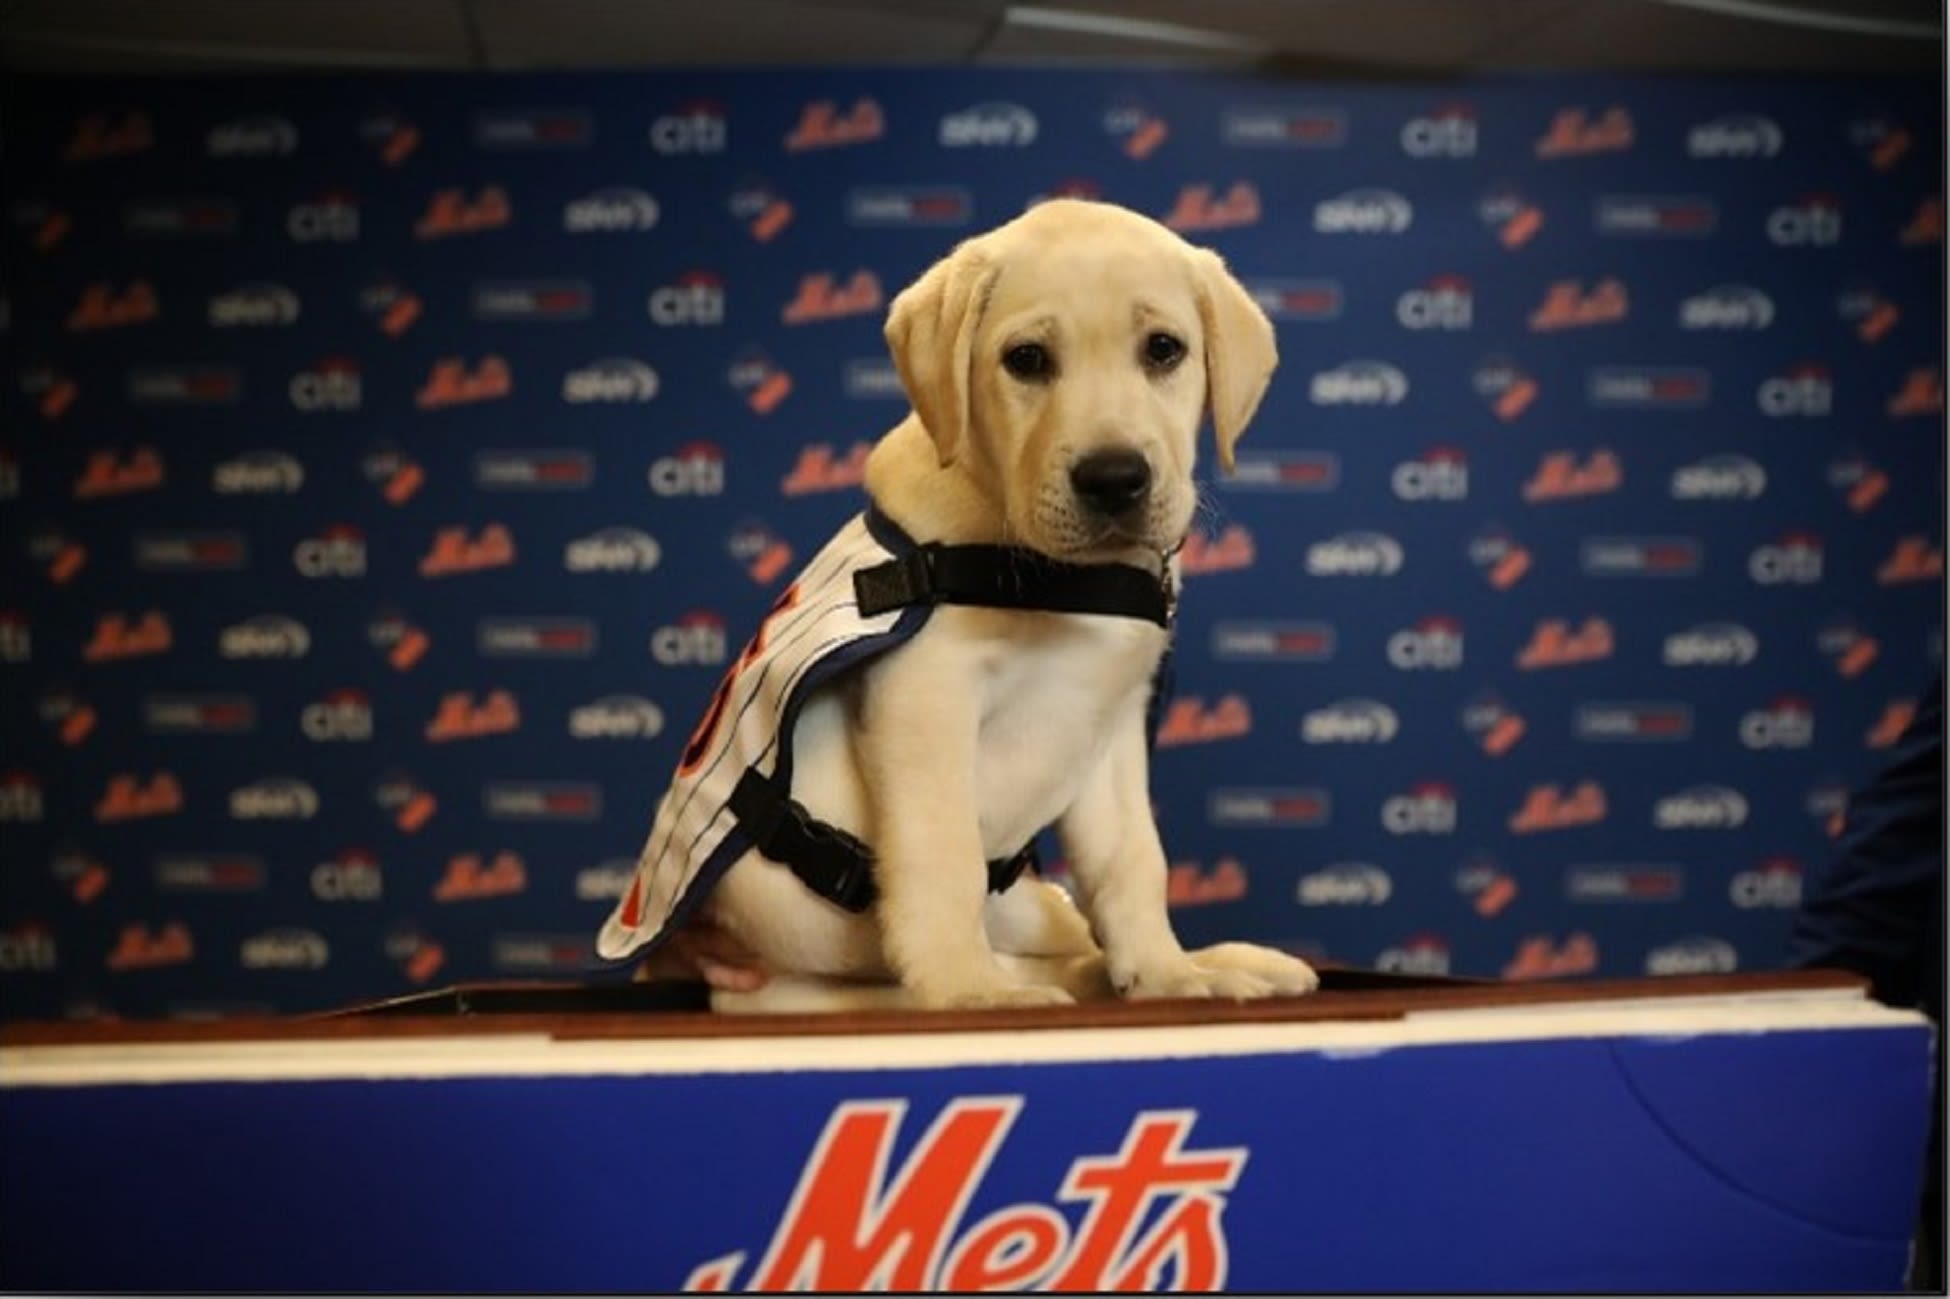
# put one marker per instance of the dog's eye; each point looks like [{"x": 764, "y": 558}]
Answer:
[
  {"x": 1162, "y": 351},
  {"x": 1029, "y": 361}
]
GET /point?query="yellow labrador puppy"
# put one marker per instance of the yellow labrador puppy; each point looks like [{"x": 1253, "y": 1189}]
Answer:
[{"x": 1059, "y": 368}]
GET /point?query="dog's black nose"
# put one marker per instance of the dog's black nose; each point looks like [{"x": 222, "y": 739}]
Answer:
[{"x": 1111, "y": 481}]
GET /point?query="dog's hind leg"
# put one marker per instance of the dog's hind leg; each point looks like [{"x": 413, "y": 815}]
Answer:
[{"x": 1036, "y": 918}]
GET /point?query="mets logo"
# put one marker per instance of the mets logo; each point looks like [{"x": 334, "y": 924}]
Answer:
[{"x": 1152, "y": 1213}]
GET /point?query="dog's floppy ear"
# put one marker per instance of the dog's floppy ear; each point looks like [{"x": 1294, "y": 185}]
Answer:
[
  {"x": 1240, "y": 354},
  {"x": 931, "y": 332}
]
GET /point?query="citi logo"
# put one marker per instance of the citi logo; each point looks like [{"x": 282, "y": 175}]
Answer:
[
  {"x": 1787, "y": 723},
  {"x": 339, "y": 551},
  {"x": 252, "y": 137},
  {"x": 275, "y": 798},
  {"x": 612, "y": 550},
  {"x": 1719, "y": 478},
  {"x": 613, "y": 381},
  {"x": 988, "y": 126},
  {"x": 1794, "y": 560},
  {"x": 1774, "y": 884},
  {"x": 21, "y": 798},
  {"x": 1433, "y": 644},
  {"x": 1448, "y": 132},
  {"x": 1420, "y": 954},
  {"x": 1701, "y": 807},
  {"x": 695, "y": 469},
  {"x": 327, "y": 219},
  {"x": 331, "y": 385},
  {"x": 1355, "y": 554},
  {"x": 1364, "y": 212},
  {"x": 617, "y": 717},
  {"x": 1727, "y": 307},
  {"x": 352, "y": 876},
  {"x": 1347, "y": 884},
  {"x": 1359, "y": 383},
  {"x": 343, "y": 715},
  {"x": 1710, "y": 645},
  {"x": 1736, "y": 135},
  {"x": 1813, "y": 222},
  {"x": 699, "y": 128},
  {"x": 257, "y": 473},
  {"x": 696, "y": 638},
  {"x": 697, "y": 298},
  {"x": 1438, "y": 474},
  {"x": 1351, "y": 721},
  {"x": 1446, "y": 302},
  {"x": 267, "y": 636},
  {"x": 1427, "y": 808},
  {"x": 254, "y": 306},
  {"x": 1805, "y": 390}
]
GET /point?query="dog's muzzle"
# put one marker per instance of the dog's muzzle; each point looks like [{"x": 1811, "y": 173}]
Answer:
[{"x": 1111, "y": 483}]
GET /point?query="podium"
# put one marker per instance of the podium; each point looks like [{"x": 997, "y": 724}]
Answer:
[{"x": 1760, "y": 1132}]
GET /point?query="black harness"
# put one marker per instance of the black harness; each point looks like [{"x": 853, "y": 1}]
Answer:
[{"x": 828, "y": 860}]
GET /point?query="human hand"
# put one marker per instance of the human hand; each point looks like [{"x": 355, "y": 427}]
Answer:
[{"x": 703, "y": 949}]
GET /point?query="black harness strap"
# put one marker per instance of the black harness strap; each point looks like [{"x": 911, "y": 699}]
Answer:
[
  {"x": 828, "y": 860},
  {"x": 1008, "y": 578}
]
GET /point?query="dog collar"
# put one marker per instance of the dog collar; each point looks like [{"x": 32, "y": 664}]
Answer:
[{"x": 1008, "y": 577}]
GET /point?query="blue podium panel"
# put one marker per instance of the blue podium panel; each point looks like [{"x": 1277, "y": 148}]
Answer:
[{"x": 1764, "y": 1142}]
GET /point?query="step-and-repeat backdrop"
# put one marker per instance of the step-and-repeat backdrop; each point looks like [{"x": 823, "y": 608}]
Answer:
[{"x": 389, "y": 468}]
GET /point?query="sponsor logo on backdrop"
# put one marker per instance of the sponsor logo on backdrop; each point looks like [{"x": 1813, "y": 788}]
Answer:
[
  {"x": 1345, "y": 884},
  {"x": 52, "y": 393},
  {"x": 1508, "y": 390},
  {"x": 1286, "y": 471},
  {"x": 611, "y": 381},
  {"x": 909, "y": 205},
  {"x": 1499, "y": 557},
  {"x": 190, "y": 552},
  {"x": 694, "y": 298},
  {"x": 1350, "y": 721},
  {"x": 762, "y": 211},
  {"x": 410, "y": 806},
  {"x": 332, "y": 384},
  {"x": 1555, "y": 643},
  {"x": 1925, "y": 226},
  {"x": 988, "y": 126},
  {"x": 1416, "y": 954},
  {"x": 452, "y": 383},
  {"x": 63, "y": 557},
  {"x": 1914, "y": 559},
  {"x": 1895, "y": 719},
  {"x": 1648, "y": 387},
  {"x": 71, "y": 719},
  {"x": 285, "y": 949},
  {"x": 208, "y": 873},
  {"x": 1795, "y": 559},
  {"x": 469, "y": 879},
  {"x": 199, "y": 714},
  {"x": 1511, "y": 217},
  {"x": 1568, "y": 305},
  {"x": 119, "y": 636},
  {"x": 389, "y": 135},
  {"x": 1921, "y": 394},
  {"x": 1364, "y": 212},
  {"x": 497, "y": 638},
  {"x": 534, "y": 128},
  {"x": 1578, "y": 132},
  {"x": 1701, "y": 807},
  {"x": 1448, "y": 132},
  {"x": 1640, "y": 556},
  {"x": 460, "y": 716},
  {"x": 1727, "y": 307},
  {"x": 1774, "y": 884},
  {"x": 1490, "y": 890},
  {"x": 1428, "y": 807},
  {"x": 697, "y": 637},
  {"x": 353, "y": 875},
  {"x": 1439, "y": 474},
  {"x": 1199, "y": 208},
  {"x": 854, "y": 1219},
  {"x": 252, "y": 137},
  {"x": 1493, "y": 724},
  {"x": 1283, "y": 128},
  {"x": 265, "y": 636},
  {"x": 343, "y": 715},
  {"x": 1735, "y": 135},
  {"x": 824, "y": 125},
  {"x": 616, "y": 717},
  {"x": 613, "y": 550},
  {"x": 1710, "y": 645},
  {"x": 398, "y": 477},
  {"x": 763, "y": 553},
  {"x": 1850, "y": 648},
  {"x": 1664, "y": 722},
  {"x": 419, "y": 957},
  {"x": 754, "y": 376},
  {"x": 819, "y": 469},
  {"x": 1273, "y": 807},
  {"x": 1355, "y": 554},
  {"x": 1685, "y": 216},
  {"x": 456, "y": 550},
  {"x": 1433, "y": 643},
  {"x": 1304, "y": 642},
  {"x": 109, "y": 473},
  {"x": 1883, "y": 143},
  {"x": 82, "y": 878},
  {"x": 393, "y": 308},
  {"x": 179, "y": 217},
  {"x": 257, "y": 473},
  {"x": 274, "y": 798},
  {"x": 1137, "y": 130},
  {"x": 1444, "y": 302},
  {"x": 1786, "y": 723},
  {"x": 1624, "y": 883},
  {"x": 822, "y": 297},
  {"x": 119, "y": 134},
  {"x": 552, "y": 470},
  {"x": 696, "y": 128},
  {"x": 1189, "y": 721},
  {"x": 1560, "y": 476},
  {"x": 1539, "y": 957},
  {"x": 455, "y": 212},
  {"x": 328, "y": 218},
  {"x": 102, "y": 306},
  {"x": 1551, "y": 807},
  {"x": 605, "y": 882},
  {"x": 137, "y": 947},
  {"x": 1867, "y": 312},
  {"x": 539, "y": 953},
  {"x": 338, "y": 551},
  {"x": 1805, "y": 389},
  {"x": 402, "y": 643},
  {"x": 1811, "y": 221},
  {"x": 21, "y": 798},
  {"x": 1692, "y": 956},
  {"x": 1186, "y": 885},
  {"x": 869, "y": 378},
  {"x": 45, "y": 225},
  {"x": 531, "y": 300},
  {"x": 1297, "y": 300},
  {"x": 1719, "y": 478}
]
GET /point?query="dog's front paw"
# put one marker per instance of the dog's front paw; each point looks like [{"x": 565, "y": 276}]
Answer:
[
  {"x": 1287, "y": 976},
  {"x": 1186, "y": 978},
  {"x": 987, "y": 996}
]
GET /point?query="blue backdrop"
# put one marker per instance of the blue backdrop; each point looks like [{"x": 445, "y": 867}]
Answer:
[{"x": 389, "y": 465}]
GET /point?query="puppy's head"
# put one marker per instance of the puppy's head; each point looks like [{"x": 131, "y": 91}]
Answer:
[{"x": 1064, "y": 363}]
